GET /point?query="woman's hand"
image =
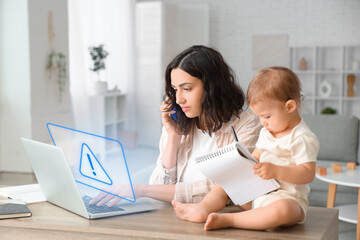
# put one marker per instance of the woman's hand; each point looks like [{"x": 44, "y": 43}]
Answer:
[
  {"x": 117, "y": 191},
  {"x": 265, "y": 170},
  {"x": 168, "y": 122},
  {"x": 169, "y": 157}
]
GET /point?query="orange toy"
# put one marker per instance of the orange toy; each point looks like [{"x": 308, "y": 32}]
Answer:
[
  {"x": 351, "y": 165},
  {"x": 350, "y": 81},
  {"x": 336, "y": 167},
  {"x": 321, "y": 171}
]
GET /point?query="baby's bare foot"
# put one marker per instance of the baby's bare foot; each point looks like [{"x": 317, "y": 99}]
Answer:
[
  {"x": 190, "y": 212},
  {"x": 216, "y": 221}
]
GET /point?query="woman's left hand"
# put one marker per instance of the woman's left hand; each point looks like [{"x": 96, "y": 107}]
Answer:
[{"x": 265, "y": 170}]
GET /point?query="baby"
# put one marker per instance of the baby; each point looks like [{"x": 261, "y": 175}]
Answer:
[{"x": 286, "y": 150}]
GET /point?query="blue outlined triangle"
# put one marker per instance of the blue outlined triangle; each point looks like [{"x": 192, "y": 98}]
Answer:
[{"x": 90, "y": 166}]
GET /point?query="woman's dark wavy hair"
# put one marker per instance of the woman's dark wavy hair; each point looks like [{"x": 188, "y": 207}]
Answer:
[{"x": 222, "y": 98}]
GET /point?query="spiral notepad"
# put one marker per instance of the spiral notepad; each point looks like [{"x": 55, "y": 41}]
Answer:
[
  {"x": 217, "y": 153},
  {"x": 232, "y": 168}
]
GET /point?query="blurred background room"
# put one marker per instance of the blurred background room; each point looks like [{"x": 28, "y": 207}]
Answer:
[{"x": 47, "y": 74}]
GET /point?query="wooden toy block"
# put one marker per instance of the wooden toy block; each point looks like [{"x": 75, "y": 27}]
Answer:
[
  {"x": 351, "y": 165},
  {"x": 321, "y": 171},
  {"x": 336, "y": 167}
]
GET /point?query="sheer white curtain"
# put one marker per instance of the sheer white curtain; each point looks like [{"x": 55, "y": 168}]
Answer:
[{"x": 94, "y": 22}]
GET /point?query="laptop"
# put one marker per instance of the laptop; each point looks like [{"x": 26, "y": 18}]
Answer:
[{"x": 56, "y": 180}]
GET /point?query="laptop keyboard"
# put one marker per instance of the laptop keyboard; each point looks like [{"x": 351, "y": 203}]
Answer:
[{"x": 99, "y": 209}]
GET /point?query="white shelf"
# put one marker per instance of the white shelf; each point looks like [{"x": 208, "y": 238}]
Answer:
[
  {"x": 308, "y": 98},
  {"x": 351, "y": 98},
  {"x": 348, "y": 213},
  {"x": 328, "y": 72},
  {"x": 304, "y": 72},
  {"x": 108, "y": 118},
  {"x": 327, "y": 98},
  {"x": 331, "y": 64},
  {"x": 322, "y": 71},
  {"x": 351, "y": 71}
]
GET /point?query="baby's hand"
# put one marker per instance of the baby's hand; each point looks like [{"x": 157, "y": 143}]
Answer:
[{"x": 265, "y": 170}]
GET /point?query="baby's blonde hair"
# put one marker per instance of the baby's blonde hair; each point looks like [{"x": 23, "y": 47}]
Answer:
[{"x": 277, "y": 83}]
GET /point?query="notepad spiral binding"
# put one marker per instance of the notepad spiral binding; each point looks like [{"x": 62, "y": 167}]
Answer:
[{"x": 216, "y": 153}]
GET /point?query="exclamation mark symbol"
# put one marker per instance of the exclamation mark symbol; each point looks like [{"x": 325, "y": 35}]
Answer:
[{"x": 92, "y": 167}]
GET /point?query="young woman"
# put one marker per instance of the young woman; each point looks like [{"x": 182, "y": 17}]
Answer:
[{"x": 201, "y": 87}]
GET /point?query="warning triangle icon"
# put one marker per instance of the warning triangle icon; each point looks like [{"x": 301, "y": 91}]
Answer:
[{"x": 90, "y": 166}]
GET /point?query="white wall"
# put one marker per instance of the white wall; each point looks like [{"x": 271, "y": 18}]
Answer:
[
  {"x": 28, "y": 99},
  {"x": 162, "y": 32},
  {"x": 307, "y": 22},
  {"x": 45, "y": 100},
  {"x": 15, "y": 119}
]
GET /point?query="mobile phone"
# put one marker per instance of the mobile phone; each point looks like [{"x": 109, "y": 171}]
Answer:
[{"x": 174, "y": 115}]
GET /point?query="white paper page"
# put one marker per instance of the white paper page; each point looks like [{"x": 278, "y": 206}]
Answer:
[
  {"x": 29, "y": 193},
  {"x": 236, "y": 175},
  {"x": 30, "y": 197},
  {"x": 21, "y": 189}
]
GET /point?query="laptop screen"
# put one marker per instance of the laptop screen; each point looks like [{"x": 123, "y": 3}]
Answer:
[{"x": 98, "y": 164}]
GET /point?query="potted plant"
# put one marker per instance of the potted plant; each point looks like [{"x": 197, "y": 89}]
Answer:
[
  {"x": 56, "y": 65},
  {"x": 98, "y": 55},
  {"x": 328, "y": 110}
]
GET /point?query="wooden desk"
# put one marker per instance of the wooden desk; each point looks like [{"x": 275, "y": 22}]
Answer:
[{"x": 51, "y": 222}]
